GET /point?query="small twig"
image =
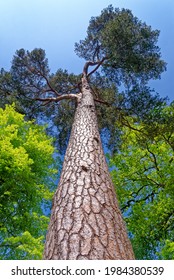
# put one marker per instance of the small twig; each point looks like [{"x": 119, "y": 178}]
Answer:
[
  {"x": 46, "y": 103},
  {"x": 102, "y": 102}
]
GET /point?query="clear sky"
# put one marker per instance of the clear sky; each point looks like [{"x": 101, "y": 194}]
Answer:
[{"x": 55, "y": 25}]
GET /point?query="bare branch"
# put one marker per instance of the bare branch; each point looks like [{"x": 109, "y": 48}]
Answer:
[
  {"x": 91, "y": 63},
  {"x": 46, "y": 103},
  {"x": 95, "y": 69},
  {"x": 86, "y": 66},
  {"x": 57, "y": 99}
]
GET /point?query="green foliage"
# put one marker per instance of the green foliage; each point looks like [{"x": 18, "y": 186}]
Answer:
[
  {"x": 25, "y": 246},
  {"x": 128, "y": 44},
  {"x": 29, "y": 72},
  {"x": 29, "y": 78},
  {"x": 27, "y": 172},
  {"x": 62, "y": 114},
  {"x": 131, "y": 57},
  {"x": 168, "y": 250},
  {"x": 143, "y": 174}
]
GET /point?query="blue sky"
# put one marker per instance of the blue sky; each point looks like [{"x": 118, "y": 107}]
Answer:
[{"x": 55, "y": 25}]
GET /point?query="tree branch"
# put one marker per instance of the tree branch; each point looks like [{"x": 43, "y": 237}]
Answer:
[
  {"x": 95, "y": 69},
  {"x": 91, "y": 63},
  {"x": 154, "y": 157},
  {"x": 128, "y": 203},
  {"x": 167, "y": 139},
  {"x": 50, "y": 88},
  {"x": 57, "y": 99},
  {"x": 125, "y": 122},
  {"x": 102, "y": 102}
]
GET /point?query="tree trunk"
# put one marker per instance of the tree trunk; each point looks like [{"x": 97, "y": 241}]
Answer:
[{"x": 86, "y": 222}]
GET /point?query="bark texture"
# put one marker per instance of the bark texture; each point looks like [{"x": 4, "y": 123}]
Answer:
[{"x": 86, "y": 222}]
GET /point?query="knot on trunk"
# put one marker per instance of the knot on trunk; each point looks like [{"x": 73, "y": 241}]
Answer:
[
  {"x": 91, "y": 107},
  {"x": 84, "y": 168},
  {"x": 83, "y": 164},
  {"x": 96, "y": 139}
]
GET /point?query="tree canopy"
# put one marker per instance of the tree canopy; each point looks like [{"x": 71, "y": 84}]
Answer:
[
  {"x": 124, "y": 56},
  {"x": 27, "y": 171},
  {"x": 127, "y": 46}
]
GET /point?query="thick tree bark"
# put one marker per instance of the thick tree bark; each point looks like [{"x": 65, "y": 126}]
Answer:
[{"x": 86, "y": 222}]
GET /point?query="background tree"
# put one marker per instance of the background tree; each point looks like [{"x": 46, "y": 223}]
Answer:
[
  {"x": 143, "y": 177},
  {"x": 123, "y": 53},
  {"x": 25, "y": 186}
]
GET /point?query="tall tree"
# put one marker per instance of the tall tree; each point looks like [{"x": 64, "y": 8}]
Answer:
[{"x": 86, "y": 222}]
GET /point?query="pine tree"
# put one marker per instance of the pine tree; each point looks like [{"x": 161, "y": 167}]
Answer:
[{"x": 86, "y": 222}]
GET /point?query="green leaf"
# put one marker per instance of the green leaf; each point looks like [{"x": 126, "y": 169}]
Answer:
[{"x": 27, "y": 173}]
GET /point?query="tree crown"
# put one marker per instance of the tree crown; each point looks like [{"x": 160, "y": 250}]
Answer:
[
  {"x": 128, "y": 45},
  {"x": 124, "y": 55}
]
